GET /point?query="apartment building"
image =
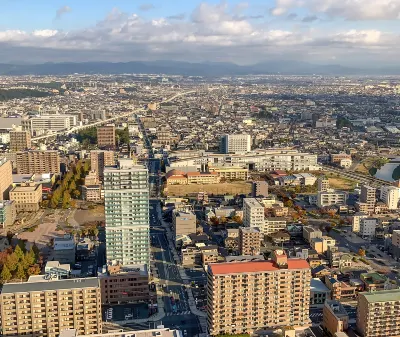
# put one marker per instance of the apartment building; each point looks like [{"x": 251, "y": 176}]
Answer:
[
  {"x": 259, "y": 189},
  {"x": 390, "y": 195},
  {"x": 91, "y": 192},
  {"x": 46, "y": 308},
  {"x": 8, "y": 213},
  {"x": 368, "y": 197},
  {"x": 124, "y": 284},
  {"x": 323, "y": 184},
  {"x": 20, "y": 141},
  {"x": 244, "y": 297},
  {"x": 231, "y": 173},
  {"x": 331, "y": 197},
  {"x": 335, "y": 317},
  {"x": 235, "y": 143},
  {"x": 250, "y": 241},
  {"x": 137, "y": 333},
  {"x": 253, "y": 213},
  {"x": 106, "y": 136},
  {"x": 6, "y": 179},
  {"x": 310, "y": 233},
  {"x": 378, "y": 313},
  {"x": 368, "y": 227},
  {"x": 38, "y": 162},
  {"x": 99, "y": 160},
  {"x": 184, "y": 223},
  {"x": 272, "y": 225},
  {"x": 356, "y": 221},
  {"x": 27, "y": 197},
  {"x": 396, "y": 243}
]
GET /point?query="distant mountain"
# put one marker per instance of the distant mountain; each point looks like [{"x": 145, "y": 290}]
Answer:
[{"x": 189, "y": 69}]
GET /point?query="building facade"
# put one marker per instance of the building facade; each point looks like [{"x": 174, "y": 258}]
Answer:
[
  {"x": 235, "y": 143},
  {"x": 27, "y": 197},
  {"x": 38, "y": 162},
  {"x": 390, "y": 195},
  {"x": 259, "y": 188},
  {"x": 8, "y": 213},
  {"x": 184, "y": 223},
  {"x": 253, "y": 213},
  {"x": 6, "y": 179},
  {"x": 250, "y": 241},
  {"x": 329, "y": 198},
  {"x": 99, "y": 160},
  {"x": 106, "y": 136},
  {"x": 335, "y": 318},
  {"x": 20, "y": 141}
]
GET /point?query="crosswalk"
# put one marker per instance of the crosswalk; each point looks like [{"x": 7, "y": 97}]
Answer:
[
  {"x": 187, "y": 312},
  {"x": 316, "y": 314}
]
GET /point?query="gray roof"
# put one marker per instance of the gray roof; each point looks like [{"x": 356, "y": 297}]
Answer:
[
  {"x": 8, "y": 122},
  {"x": 382, "y": 296},
  {"x": 25, "y": 287}
]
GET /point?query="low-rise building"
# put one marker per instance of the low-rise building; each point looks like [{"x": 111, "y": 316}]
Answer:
[
  {"x": 356, "y": 221},
  {"x": 368, "y": 227},
  {"x": 339, "y": 289},
  {"x": 331, "y": 197},
  {"x": 64, "y": 250},
  {"x": 272, "y": 225},
  {"x": 56, "y": 269},
  {"x": 27, "y": 197},
  {"x": 373, "y": 281},
  {"x": 318, "y": 292},
  {"x": 91, "y": 192},
  {"x": 310, "y": 233},
  {"x": 335, "y": 319},
  {"x": 231, "y": 173},
  {"x": 163, "y": 332},
  {"x": 183, "y": 223},
  {"x": 321, "y": 245}
]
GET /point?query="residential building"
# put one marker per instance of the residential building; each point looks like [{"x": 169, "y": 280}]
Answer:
[
  {"x": 54, "y": 269},
  {"x": 20, "y": 141},
  {"x": 310, "y": 233},
  {"x": 231, "y": 173},
  {"x": 356, "y": 221},
  {"x": 91, "y": 192},
  {"x": 336, "y": 158},
  {"x": 250, "y": 241},
  {"x": 163, "y": 332},
  {"x": 331, "y": 197},
  {"x": 272, "y": 225},
  {"x": 335, "y": 318},
  {"x": 106, "y": 136},
  {"x": 253, "y": 213},
  {"x": 126, "y": 198},
  {"x": 259, "y": 188},
  {"x": 191, "y": 255},
  {"x": 235, "y": 144},
  {"x": 374, "y": 281},
  {"x": 378, "y": 313},
  {"x": 323, "y": 184},
  {"x": 92, "y": 178},
  {"x": 99, "y": 160},
  {"x": 318, "y": 292},
  {"x": 47, "y": 307},
  {"x": 27, "y": 197},
  {"x": 8, "y": 213},
  {"x": 321, "y": 245},
  {"x": 122, "y": 284},
  {"x": 184, "y": 223},
  {"x": 6, "y": 179},
  {"x": 339, "y": 289},
  {"x": 368, "y": 226},
  {"x": 64, "y": 249},
  {"x": 244, "y": 297},
  {"x": 390, "y": 195},
  {"x": 368, "y": 196},
  {"x": 38, "y": 162}
]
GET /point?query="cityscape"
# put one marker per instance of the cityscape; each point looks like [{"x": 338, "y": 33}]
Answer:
[{"x": 225, "y": 196}]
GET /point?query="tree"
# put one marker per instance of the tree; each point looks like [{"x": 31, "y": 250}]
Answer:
[
  {"x": 35, "y": 250},
  {"x": 95, "y": 232},
  {"x": 288, "y": 203},
  {"x": 18, "y": 251},
  {"x": 361, "y": 252},
  {"x": 20, "y": 273},
  {"x": 66, "y": 199},
  {"x": 328, "y": 229},
  {"x": 30, "y": 258},
  {"x": 33, "y": 270},
  {"x": 5, "y": 274},
  {"x": 12, "y": 261},
  {"x": 72, "y": 186},
  {"x": 10, "y": 235}
]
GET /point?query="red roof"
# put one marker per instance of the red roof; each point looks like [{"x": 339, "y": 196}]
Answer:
[{"x": 253, "y": 267}]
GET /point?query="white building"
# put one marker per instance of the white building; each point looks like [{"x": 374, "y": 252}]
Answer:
[
  {"x": 346, "y": 163},
  {"x": 253, "y": 213},
  {"x": 368, "y": 226},
  {"x": 356, "y": 221},
  {"x": 235, "y": 143},
  {"x": 390, "y": 195},
  {"x": 43, "y": 124},
  {"x": 331, "y": 197}
]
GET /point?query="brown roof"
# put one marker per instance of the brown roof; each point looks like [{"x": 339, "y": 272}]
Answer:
[
  {"x": 174, "y": 173},
  {"x": 192, "y": 174}
]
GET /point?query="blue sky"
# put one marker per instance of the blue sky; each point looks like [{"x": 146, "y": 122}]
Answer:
[{"x": 319, "y": 31}]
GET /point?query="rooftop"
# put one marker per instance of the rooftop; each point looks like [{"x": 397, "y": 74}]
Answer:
[
  {"x": 138, "y": 333},
  {"x": 382, "y": 296}
]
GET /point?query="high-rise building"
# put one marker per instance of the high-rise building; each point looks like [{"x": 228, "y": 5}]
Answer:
[
  {"x": 323, "y": 184},
  {"x": 253, "y": 213},
  {"x": 368, "y": 196},
  {"x": 390, "y": 195},
  {"x": 259, "y": 188},
  {"x": 99, "y": 160},
  {"x": 244, "y": 297},
  {"x": 6, "y": 179},
  {"x": 250, "y": 241},
  {"x": 126, "y": 198},
  {"x": 235, "y": 143},
  {"x": 38, "y": 162},
  {"x": 106, "y": 136},
  {"x": 20, "y": 141},
  {"x": 378, "y": 313},
  {"x": 45, "y": 307}
]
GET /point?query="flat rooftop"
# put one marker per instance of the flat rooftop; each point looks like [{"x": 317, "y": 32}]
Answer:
[
  {"x": 252, "y": 202},
  {"x": 25, "y": 287},
  {"x": 382, "y": 296}
]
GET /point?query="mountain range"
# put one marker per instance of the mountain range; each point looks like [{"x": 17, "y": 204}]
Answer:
[{"x": 190, "y": 69}]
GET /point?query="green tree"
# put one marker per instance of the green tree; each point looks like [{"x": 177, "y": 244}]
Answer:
[
  {"x": 76, "y": 194},
  {"x": 30, "y": 258},
  {"x": 95, "y": 232},
  {"x": 66, "y": 199},
  {"x": 18, "y": 251},
  {"x": 5, "y": 274},
  {"x": 20, "y": 273},
  {"x": 35, "y": 251},
  {"x": 72, "y": 186},
  {"x": 12, "y": 261}
]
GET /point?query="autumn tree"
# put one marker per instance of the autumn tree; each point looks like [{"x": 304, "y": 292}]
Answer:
[
  {"x": 20, "y": 273},
  {"x": 18, "y": 251},
  {"x": 12, "y": 261},
  {"x": 72, "y": 186},
  {"x": 361, "y": 252},
  {"x": 66, "y": 199},
  {"x": 5, "y": 274},
  {"x": 33, "y": 270}
]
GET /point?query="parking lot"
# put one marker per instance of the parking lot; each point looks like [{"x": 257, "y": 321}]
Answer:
[{"x": 123, "y": 312}]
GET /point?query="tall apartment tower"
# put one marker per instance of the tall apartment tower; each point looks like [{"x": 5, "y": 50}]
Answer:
[
  {"x": 253, "y": 213},
  {"x": 390, "y": 195},
  {"x": 323, "y": 184},
  {"x": 38, "y": 162},
  {"x": 6, "y": 179},
  {"x": 45, "y": 308},
  {"x": 235, "y": 143},
  {"x": 20, "y": 141},
  {"x": 126, "y": 198},
  {"x": 250, "y": 241},
  {"x": 378, "y": 313},
  {"x": 106, "y": 136},
  {"x": 244, "y": 297},
  {"x": 368, "y": 196},
  {"x": 99, "y": 160}
]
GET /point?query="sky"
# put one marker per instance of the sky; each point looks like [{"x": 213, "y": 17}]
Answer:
[{"x": 361, "y": 33}]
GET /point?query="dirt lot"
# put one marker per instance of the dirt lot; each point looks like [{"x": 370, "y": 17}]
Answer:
[
  {"x": 339, "y": 183},
  {"x": 239, "y": 187},
  {"x": 89, "y": 215}
]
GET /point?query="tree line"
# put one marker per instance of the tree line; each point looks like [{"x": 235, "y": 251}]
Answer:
[{"x": 7, "y": 94}]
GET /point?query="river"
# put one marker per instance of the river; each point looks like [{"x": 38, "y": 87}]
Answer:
[{"x": 389, "y": 171}]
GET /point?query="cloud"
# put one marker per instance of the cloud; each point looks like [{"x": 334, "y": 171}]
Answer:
[
  {"x": 146, "y": 7},
  {"x": 310, "y": 18},
  {"x": 62, "y": 10},
  {"x": 176, "y": 17},
  {"x": 292, "y": 16}
]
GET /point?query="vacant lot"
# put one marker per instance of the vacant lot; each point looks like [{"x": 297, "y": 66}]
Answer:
[
  {"x": 82, "y": 216},
  {"x": 340, "y": 183},
  {"x": 42, "y": 234},
  {"x": 239, "y": 187}
]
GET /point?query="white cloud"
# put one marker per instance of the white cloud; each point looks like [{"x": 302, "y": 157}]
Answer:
[{"x": 62, "y": 10}]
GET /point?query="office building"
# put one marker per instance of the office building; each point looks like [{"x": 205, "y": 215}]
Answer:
[
  {"x": 368, "y": 226},
  {"x": 335, "y": 319},
  {"x": 6, "y": 178},
  {"x": 126, "y": 197},
  {"x": 8, "y": 213},
  {"x": 106, "y": 136},
  {"x": 184, "y": 223},
  {"x": 390, "y": 195},
  {"x": 64, "y": 249},
  {"x": 27, "y": 197},
  {"x": 378, "y": 313},
  {"x": 235, "y": 144},
  {"x": 323, "y": 184},
  {"x": 43, "y": 124},
  {"x": 20, "y": 141},
  {"x": 250, "y": 241},
  {"x": 331, "y": 197},
  {"x": 99, "y": 160},
  {"x": 259, "y": 189},
  {"x": 244, "y": 297},
  {"x": 91, "y": 192},
  {"x": 164, "y": 332},
  {"x": 46, "y": 308},
  {"x": 38, "y": 162},
  {"x": 253, "y": 213}
]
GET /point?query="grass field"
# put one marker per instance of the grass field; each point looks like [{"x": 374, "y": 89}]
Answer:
[
  {"x": 238, "y": 187},
  {"x": 340, "y": 183}
]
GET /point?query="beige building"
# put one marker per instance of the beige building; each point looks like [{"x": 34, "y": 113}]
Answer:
[
  {"x": 45, "y": 308},
  {"x": 106, "y": 136},
  {"x": 92, "y": 178},
  {"x": 6, "y": 179},
  {"x": 323, "y": 184},
  {"x": 27, "y": 197},
  {"x": 184, "y": 223},
  {"x": 137, "y": 333},
  {"x": 378, "y": 313},
  {"x": 8, "y": 213},
  {"x": 101, "y": 159},
  {"x": 335, "y": 318},
  {"x": 20, "y": 141},
  {"x": 368, "y": 197},
  {"x": 250, "y": 241},
  {"x": 38, "y": 162},
  {"x": 253, "y": 213},
  {"x": 231, "y": 173},
  {"x": 244, "y": 297},
  {"x": 91, "y": 192}
]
